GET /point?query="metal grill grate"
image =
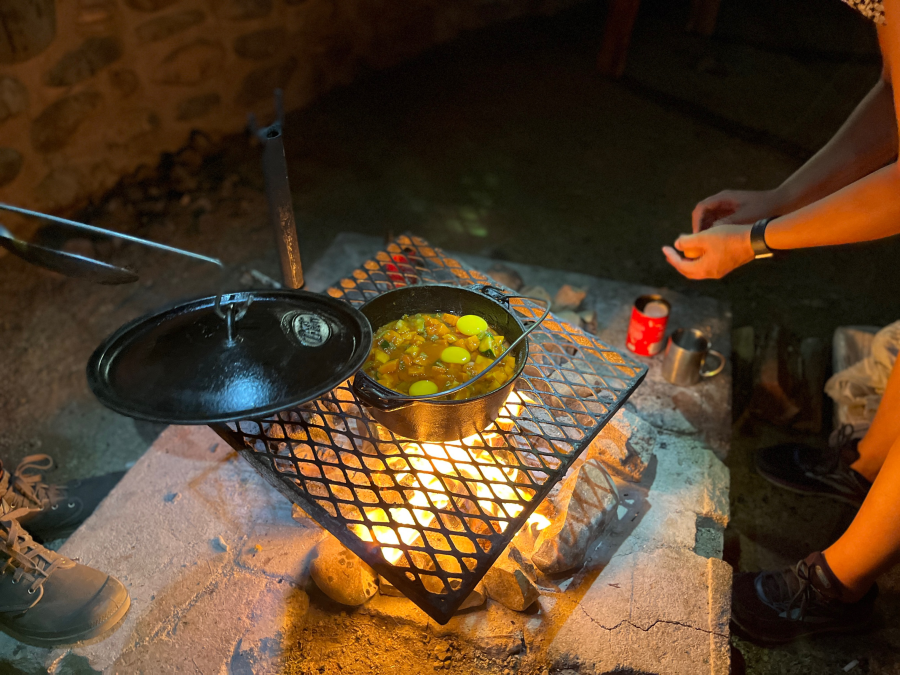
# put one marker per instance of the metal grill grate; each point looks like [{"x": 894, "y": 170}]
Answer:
[{"x": 432, "y": 518}]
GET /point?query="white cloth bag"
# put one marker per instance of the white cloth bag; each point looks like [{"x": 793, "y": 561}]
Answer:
[{"x": 857, "y": 390}]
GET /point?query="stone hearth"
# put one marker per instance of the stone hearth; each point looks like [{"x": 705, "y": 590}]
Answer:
[{"x": 219, "y": 570}]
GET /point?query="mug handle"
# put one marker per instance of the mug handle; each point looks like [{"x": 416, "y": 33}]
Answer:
[{"x": 718, "y": 369}]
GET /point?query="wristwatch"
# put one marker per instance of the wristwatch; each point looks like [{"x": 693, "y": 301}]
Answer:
[{"x": 758, "y": 239}]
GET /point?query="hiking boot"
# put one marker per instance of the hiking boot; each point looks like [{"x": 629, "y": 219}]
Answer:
[
  {"x": 54, "y": 511},
  {"x": 814, "y": 471},
  {"x": 47, "y": 600},
  {"x": 803, "y": 600}
]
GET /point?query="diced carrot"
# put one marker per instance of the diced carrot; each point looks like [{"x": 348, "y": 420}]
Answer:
[
  {"x": 450, "y": 319},
  {"x": 389, "y": 367},
  {"x": 472, "y": 343}
]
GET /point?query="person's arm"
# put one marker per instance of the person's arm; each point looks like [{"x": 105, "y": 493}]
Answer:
[
  {"x": 866, "y": 209},
  {"x": 864, "y": 143}
]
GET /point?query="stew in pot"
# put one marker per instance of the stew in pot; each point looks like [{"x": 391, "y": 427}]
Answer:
[{"x": 424, "y": 354}]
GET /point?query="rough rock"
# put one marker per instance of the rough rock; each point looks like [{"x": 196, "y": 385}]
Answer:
[
  {"x": 536, "y": 292},
  {"x": 507, "y": 276},
  {"x": 341, "y": 575},
  {"x": 197, "y": 106},
  {"x": 385, "y": 587},
  {"x": 502, "y": 646},
  {"x": 166, "y": 26},
  {"x": 53, "y": 128},
  {"x": 124, "y": 81},
  {"x": 259, "y": 83},
  {"x": 242, "y": 10},
  {"x": 589, "y": 320},
  {"x": 260, "y": 44},
  {"x": 29, "y": 27},
  {"x": 476, "y": 598},
  {"x": 570, "y": 317},
  {"x": 587, "y": 503},
  {"x": 506, "y": 583},
  {"x": 10, "y": 165},
  {"x": 79, "y": 64},
  {"x": 149, "y": 5},
  {"x": 625, "y": 445},
  {"x": 60, "y": 188},
  {"x": 95, "y": 11},
  {"x": 568, "y": 298},
  {"x": 13, "y": 98},
  {"x": 190, "y": 64}
]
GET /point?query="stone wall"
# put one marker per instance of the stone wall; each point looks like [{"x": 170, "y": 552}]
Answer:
[{"x": 92, "y": 89}]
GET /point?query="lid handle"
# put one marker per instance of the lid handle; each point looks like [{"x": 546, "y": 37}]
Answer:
[{"x": 235, "y": 308}]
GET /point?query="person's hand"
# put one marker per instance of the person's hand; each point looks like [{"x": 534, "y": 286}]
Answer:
[
  {"x": 734, "y": 207},
  {"x": 711, "y": 254}
]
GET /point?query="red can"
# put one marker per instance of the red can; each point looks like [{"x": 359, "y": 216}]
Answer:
[{"x": 647, "y": 330}]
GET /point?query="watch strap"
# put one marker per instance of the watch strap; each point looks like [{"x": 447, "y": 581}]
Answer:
[{"x": 758, "y": 239}]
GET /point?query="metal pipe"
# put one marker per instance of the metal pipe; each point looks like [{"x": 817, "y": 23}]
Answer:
[{"x": 278, "y": 194}]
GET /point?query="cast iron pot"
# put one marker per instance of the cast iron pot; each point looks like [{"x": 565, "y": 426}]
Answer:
[{"x": 435, "y": 420}]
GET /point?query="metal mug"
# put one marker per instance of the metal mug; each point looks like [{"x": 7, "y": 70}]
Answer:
[{"x": 686, "y": 354}]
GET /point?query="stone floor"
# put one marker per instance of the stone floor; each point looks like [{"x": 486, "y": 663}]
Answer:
[{"x": 217, "y": 567}]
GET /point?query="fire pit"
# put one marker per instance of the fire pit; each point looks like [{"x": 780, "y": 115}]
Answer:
[{"x": 432, "y": 518}]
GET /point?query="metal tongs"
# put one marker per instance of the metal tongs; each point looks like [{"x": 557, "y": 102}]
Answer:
[{"x": 74, "y": 265}]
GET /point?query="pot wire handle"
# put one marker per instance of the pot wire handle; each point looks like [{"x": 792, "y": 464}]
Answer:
[{"x": 493, "y": 293}]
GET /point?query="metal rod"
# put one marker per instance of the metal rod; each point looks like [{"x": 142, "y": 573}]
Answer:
[
  {"x": 110, "y": 233},
  {"x": 278, "y": 194}
]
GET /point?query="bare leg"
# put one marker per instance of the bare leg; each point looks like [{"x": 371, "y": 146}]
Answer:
[
  {"x": 885, "y": 430},
  {"x": 871, "y": 545}
]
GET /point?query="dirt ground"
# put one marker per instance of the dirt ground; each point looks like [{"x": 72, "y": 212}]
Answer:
[
  {"x": 505, "y": 143},
  {"x": 329, "y": 644}
]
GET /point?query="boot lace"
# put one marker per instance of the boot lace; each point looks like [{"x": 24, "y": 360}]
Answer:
[
  {"x": 25, "y": 487},
  {"x": 801, "y": 598},
  {"x": 27, "y": 559},
  {"x": 790, "y": 592}
]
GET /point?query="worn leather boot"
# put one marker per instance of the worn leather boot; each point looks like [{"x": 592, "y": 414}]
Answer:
[
  {"x": 47, "y": 600},
  {"x": 54, "y": 511}
]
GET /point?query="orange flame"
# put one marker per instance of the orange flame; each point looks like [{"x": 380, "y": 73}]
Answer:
[{"x": 420, "y": 467}]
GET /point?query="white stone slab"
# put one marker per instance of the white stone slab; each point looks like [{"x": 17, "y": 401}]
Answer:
[{"x": 647, "y": 600}]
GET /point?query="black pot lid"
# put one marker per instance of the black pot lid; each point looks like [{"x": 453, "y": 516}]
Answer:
[{"x": 180, "y": 366}]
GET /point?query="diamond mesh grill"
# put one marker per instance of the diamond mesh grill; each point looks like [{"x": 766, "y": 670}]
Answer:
[{"x": 432, "y": 518}]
